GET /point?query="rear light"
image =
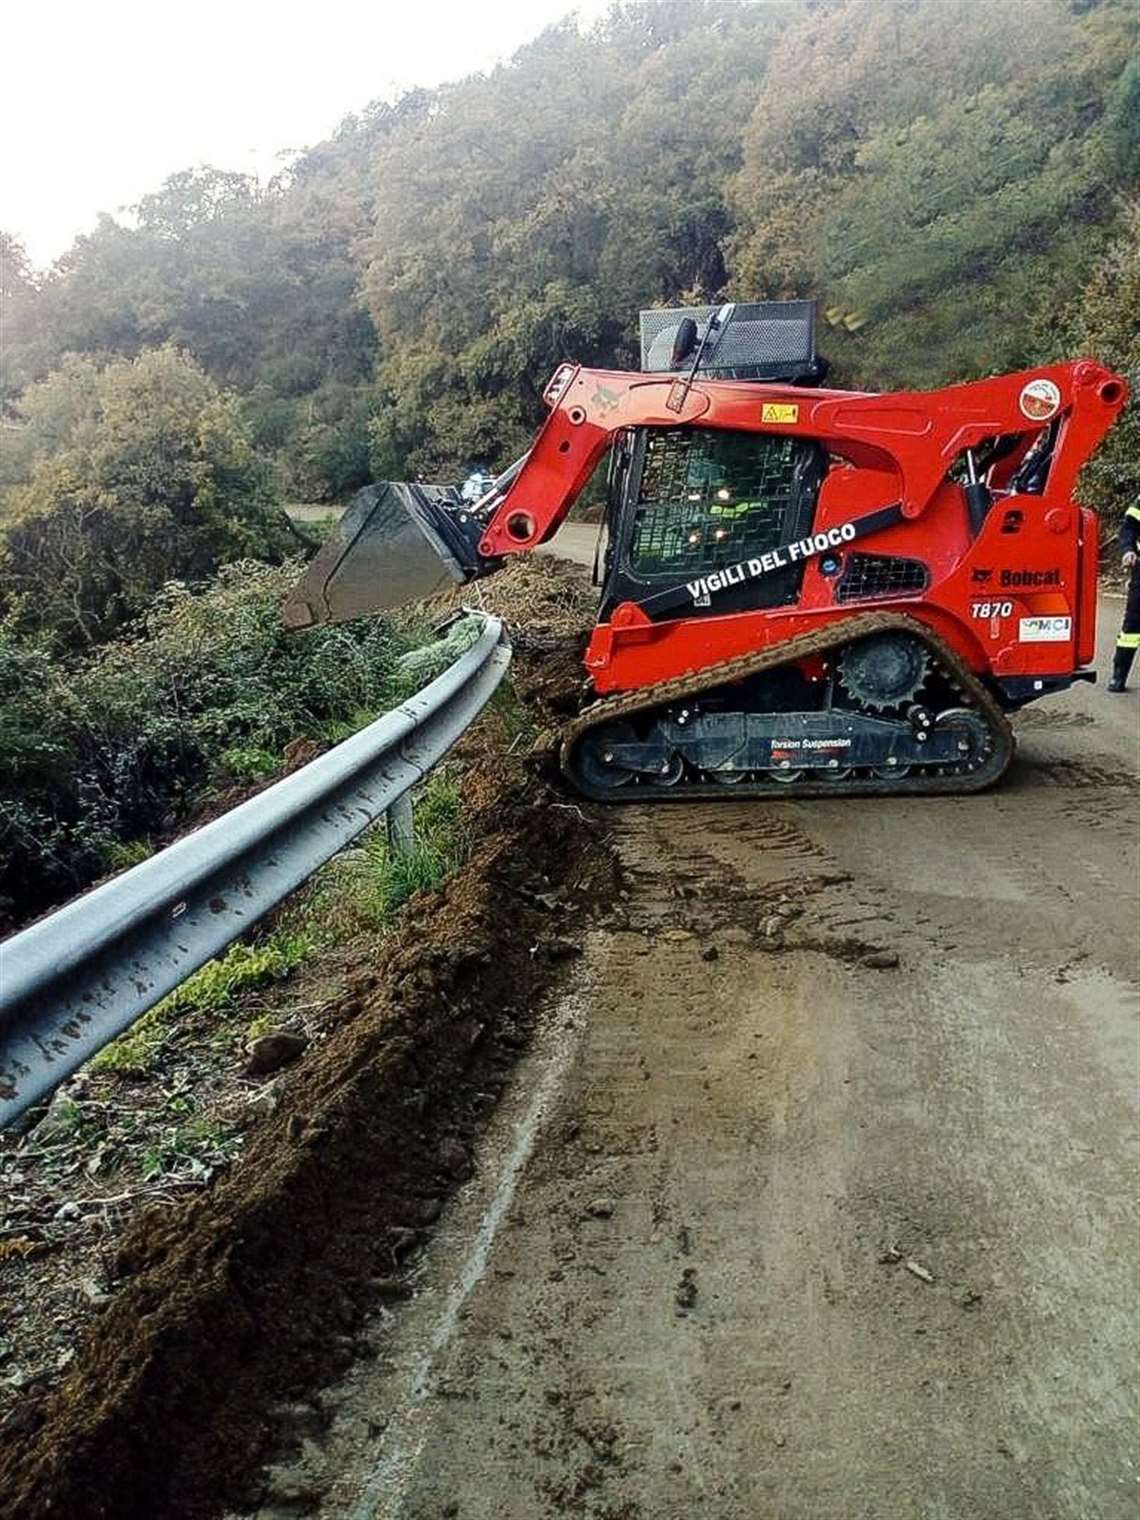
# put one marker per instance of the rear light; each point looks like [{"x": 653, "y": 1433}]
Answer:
[{"x": 559, "y": 383}]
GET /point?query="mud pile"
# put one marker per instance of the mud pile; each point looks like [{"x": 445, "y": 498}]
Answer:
[{"x": 249, "y": 1297}]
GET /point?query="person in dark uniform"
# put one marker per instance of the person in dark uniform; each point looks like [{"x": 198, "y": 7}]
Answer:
[{"x": 1129, "y": 639}]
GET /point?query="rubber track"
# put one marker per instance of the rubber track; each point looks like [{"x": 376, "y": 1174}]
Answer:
[{"x": 959, "y": 675}]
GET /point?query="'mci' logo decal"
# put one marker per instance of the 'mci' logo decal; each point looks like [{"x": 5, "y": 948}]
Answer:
[{"x": 779, "y": 411}]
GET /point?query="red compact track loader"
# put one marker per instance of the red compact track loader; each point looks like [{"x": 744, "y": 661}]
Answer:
[{"x": 828, "y": 592}]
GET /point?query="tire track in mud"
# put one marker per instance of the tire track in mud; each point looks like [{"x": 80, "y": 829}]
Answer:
[{"x": 805, "y": 1232}]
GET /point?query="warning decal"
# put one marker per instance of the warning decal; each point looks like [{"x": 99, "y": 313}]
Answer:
[{"x": 779, "y": 411}]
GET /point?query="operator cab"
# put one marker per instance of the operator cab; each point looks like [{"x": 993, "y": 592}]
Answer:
[{"x": 686, "y": 501}]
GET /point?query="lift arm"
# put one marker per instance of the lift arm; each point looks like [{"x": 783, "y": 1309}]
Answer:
[
  {"x": 918, "y": 434},
  {"x": 401, "y": 540}
]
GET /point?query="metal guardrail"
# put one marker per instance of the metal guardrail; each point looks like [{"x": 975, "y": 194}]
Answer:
[{"x": 72, "y": 982}]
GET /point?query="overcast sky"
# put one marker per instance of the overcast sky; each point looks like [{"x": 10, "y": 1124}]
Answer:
[{"x": 101, "y": 99}]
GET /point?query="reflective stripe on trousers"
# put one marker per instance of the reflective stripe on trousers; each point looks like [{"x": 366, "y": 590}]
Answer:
[{"x": 1129, "y": 637}]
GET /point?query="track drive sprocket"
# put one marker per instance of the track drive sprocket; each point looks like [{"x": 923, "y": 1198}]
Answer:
[{"x": 885, "y": 672}]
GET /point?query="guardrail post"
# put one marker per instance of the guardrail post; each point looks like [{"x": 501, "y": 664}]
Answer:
[{"x": 401, "y": 826}]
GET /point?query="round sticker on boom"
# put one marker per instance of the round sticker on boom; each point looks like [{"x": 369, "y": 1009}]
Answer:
[{"x": 1039, "y": 400}]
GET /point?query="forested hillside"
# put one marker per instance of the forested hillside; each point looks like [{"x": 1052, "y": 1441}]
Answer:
[{"x": 947, "y": 176}]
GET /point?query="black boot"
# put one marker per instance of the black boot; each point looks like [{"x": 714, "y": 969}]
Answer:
[{"x": 1121, "y": 665}]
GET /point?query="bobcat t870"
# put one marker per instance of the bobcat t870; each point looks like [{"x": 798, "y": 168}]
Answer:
[{"x": 806, "y": 592}]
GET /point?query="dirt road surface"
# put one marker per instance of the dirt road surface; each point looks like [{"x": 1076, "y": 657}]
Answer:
[
  {"x": 816, "y": 1197},
  {"x": 576, "y": 541}
]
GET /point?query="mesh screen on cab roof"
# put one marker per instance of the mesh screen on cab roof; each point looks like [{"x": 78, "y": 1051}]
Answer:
[{"x": 762, "y": 336}]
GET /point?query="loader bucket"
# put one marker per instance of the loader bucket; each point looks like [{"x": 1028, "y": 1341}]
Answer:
[{"x": 390, "y": 547}]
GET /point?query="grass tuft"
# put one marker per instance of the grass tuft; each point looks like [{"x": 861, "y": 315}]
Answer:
[
  {"x": 212, "y": 989},
  {"x": 381, "y": 881},
  {"x": 120, "y": 855}
]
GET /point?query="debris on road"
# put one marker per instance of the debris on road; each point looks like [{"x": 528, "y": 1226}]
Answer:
[
  {"x": 891, "y": 1256},
  {"x": 686, "y": 1294},
  {"x": 880, "y": 960}
]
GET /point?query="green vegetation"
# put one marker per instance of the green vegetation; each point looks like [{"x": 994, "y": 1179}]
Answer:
[
  {"x": 362, "y": 890},
  {"x": 212, "y": 989},
  {"x": 101, "y": 752},
  {"x": 215, "y": 986},
  {"x": 169, "y": 1134},
  {"x": 191, "y": 1148},
  {"x": 121, "y": 855},
  {"x": 248, "y": 763},
  {"x": 385, "y": 880},
  {"x": 1107, "y": 323},
  {"x": 945, "y": 175}
]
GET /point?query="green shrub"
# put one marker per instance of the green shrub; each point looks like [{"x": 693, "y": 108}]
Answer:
[
  {"x": 103, "y": 751},
  {"x": 212, "y": 989},
  {"x": 247, "y": 763},
  {"x": 143, "y": 471}
]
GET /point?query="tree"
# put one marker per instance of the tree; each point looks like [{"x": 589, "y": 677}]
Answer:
[
  {"x": 1101, "y": 322},
  {"x": 146, "y": 476},
  {"x": 937, "y": 171},
  {"x": 18, "y": 299},
  {"x": 16, "y": 278},
  {"x": 528, "y": 216}
]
